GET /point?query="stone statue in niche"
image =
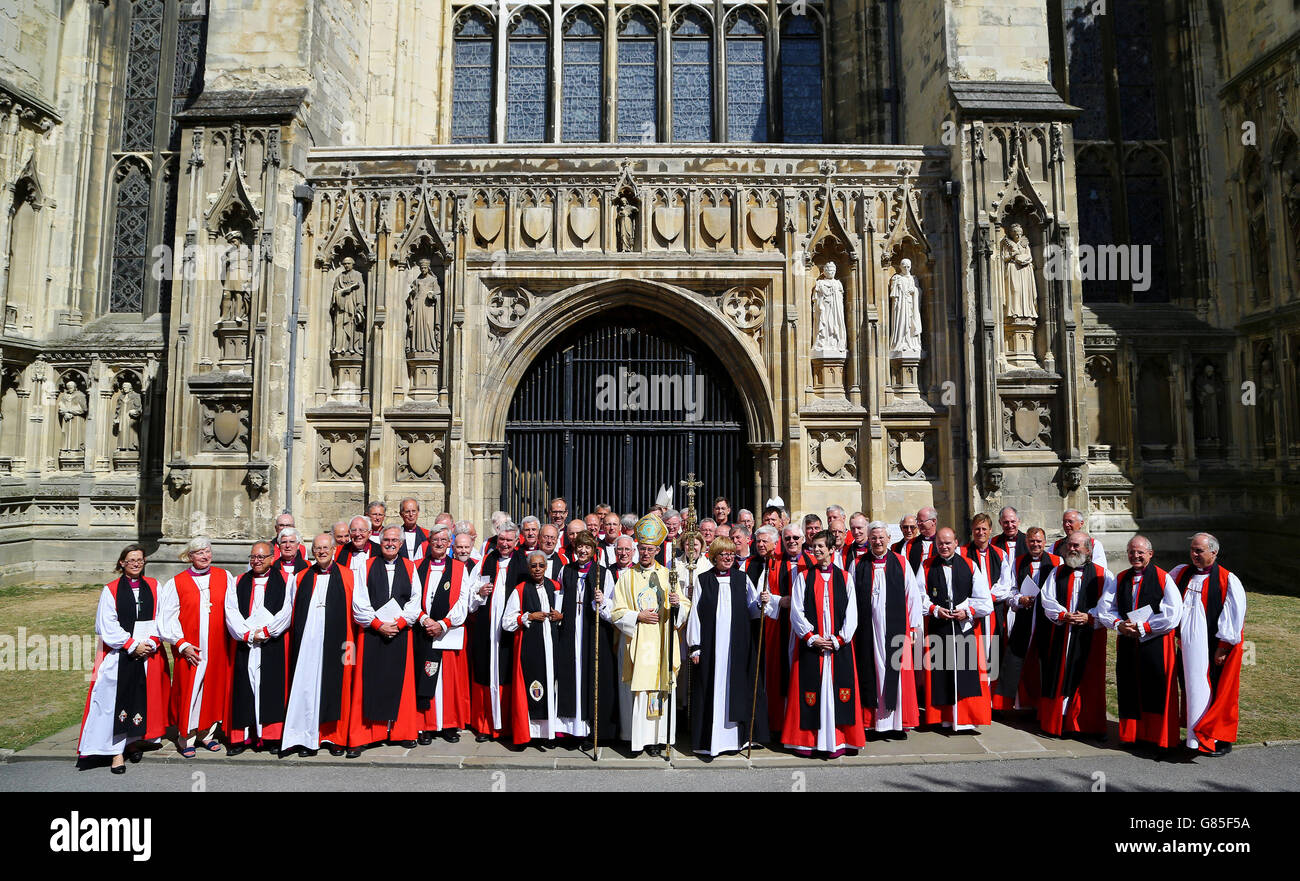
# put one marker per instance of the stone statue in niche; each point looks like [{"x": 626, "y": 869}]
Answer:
[
  {"x": 905, "y": 317},
  {"x": 348, "y": 311},
  {"x": 423, "y": 306},
  {"x": 1207, "y": 398},
  {"x": 831, "y": 340},
  {"x": 235, "y": 276},
  {"x": 625, "y": 224},
  {"x": 1267, "y": 396},
  {"x": 126, "y": 418},
  {"x": 1021, "y": 285},
  {"x": 73, "y": 408}
]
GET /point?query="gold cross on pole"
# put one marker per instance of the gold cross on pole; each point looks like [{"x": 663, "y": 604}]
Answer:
[{"x": 691, "y": 485}]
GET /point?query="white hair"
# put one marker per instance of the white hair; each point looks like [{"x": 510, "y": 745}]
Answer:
[
  {"x": 499, "y": 517},
  {"x": 1210, "y": 541},
  {"x": 744, "y": 511},
  {"x": 743, "y": 530},
  {"x": 339, "y": 523},
  {"x": 792, "y": 529},
  {"x": 365, "y": 520},
  {"x": 530, "y": 519},
  {"x": 536, "y": 553},
  {"x": 671, "y": 513},
  {"x": 505, "y": 526},
  {"x": 626, "y": 538},
  {"x": 291, "y": 531},
  {"x": 198, "y": 543},
  {"x": 463, "y": 527},
  {"x": 834, "y": 511},
  {"x": 628, "y": 520},
  {"x": 877, "y": 524},
  {"x": 767, "y": 530},
  {"x": 438, "y": 529}
]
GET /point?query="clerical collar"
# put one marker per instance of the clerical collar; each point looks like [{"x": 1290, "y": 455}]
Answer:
[
  {"x": 390, "y": 563},
  {"x": 824, "y": 568},
  {"x": 1200, "y": 571},
  {"x": 879, "y": 559},
  {"x": 438, "y": 561},
  {"x": 947, "y": 561},
  {"x": 409, "y": 528},
  {"x": 585, "y": 567},
  {"x": 194, "y": 571}
]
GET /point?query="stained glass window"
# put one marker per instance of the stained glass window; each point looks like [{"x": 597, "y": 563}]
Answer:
[
  {"x": 1144, "y": 184},
  {"x": 528, "y": 69},
  {"x": 130, "y": 241},
  {"x": 801, "y": 79},
  {"x": 144, "y": 59},
  {"x": 471, "y": 89},
  {"x": 692, "y": 81},
  {"x": 638, "y": 95},
  {"x": 746, "y": 77},
  {"x": 1086, "y": 70},
  {"x": 1137, "y": 83},
  {"x": 582, "y": 52}
]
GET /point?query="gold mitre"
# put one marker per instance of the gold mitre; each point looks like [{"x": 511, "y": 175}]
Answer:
[{"x": 650, "y": 530}]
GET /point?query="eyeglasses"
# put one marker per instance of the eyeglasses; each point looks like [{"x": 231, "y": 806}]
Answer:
[{"x": 258, "y": 556}]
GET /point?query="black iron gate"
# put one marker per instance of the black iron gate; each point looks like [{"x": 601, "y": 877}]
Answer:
[{"x": 618, "y": 405}]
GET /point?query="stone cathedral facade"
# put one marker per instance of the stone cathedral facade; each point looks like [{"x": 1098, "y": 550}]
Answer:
[{"x": 299, "y": 254}]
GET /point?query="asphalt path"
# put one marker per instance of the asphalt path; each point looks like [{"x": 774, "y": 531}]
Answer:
[{"x": 1246, "y": 769}]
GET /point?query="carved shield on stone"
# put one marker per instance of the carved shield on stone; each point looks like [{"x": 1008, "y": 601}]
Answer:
[
  {"x": 225, "y": 427},
  {"x": 583, "y": 223},
  {"x": 834, "y": 455},
  {"x": 716, "y": 222},
  {"x": 488, "y": 221},
  {"x": 419, "y": 456},
  {"x": 343, "y": 456},
  {"x": 537, "y": 222},
  {"x": 762, "y": 222},
  {"x": 1027, "y": 424},
  {"x": 668, "y": 222},
  {"x": 911, "y": 455}
]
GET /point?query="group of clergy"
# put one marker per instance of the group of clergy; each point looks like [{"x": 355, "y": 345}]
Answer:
[{"x": 586, "y": 631}]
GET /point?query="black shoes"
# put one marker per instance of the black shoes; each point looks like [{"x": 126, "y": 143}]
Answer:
[
  {"x": 450, "y": 736},
  {"x": 1222, "y": 748},
  {"x": 236, "y": 748},
  {"x": 482, "y": 738},
  {"x": 118, "y": 769},
  {"x": 426, "y": 738},
  {"x": 654, "y": 750},
  {"x": 406, "y": 744},
  {"x": 354, "y": 753},
  {"x": 336, "y": 751}
]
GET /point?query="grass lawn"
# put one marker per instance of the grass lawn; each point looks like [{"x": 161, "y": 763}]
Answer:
[
  {"x": 1270, "y": 688},
  {"x": 36, "y": 703}
]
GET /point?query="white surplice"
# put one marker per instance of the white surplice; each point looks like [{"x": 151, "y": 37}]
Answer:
[
  {"x": 886, "y": 655},
  {"x": 97, "y": 737},
  {"x": 497, "y": 601},
  {"x": 1193, "y": 635},
  {"x": 237, "y": 626},
  {"x": 725, "y": 735},
  {"x": 512, "y": 619},
  {"x": 302, "y": 715}
]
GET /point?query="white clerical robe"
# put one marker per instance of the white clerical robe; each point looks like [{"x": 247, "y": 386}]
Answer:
[
  {"x": 1002, "y": 589},
  {"x": 97, "y": 738},
  {"x": 1193, "y": 636},
  {"x": 414, "y": 547},
  {"x": 543, "y": 729},
  {"x": 169, "y": 625},
  {"x": 584, "y": 605},
  {"x": 886, "y": 656},
  {"x": 635, "y": 707},
  {"x": 456, "y": 616},
  {"x": 237, "y": 626},
  {"x": 302, "y": 715},
  {"x": 497, "y": 601},
  {"x": 725, "y": 734}
]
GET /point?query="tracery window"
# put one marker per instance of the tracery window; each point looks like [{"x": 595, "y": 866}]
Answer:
[
  {"x": 583, "y": 53},
  {"x": 801, "y": 78},
  {"x": 1121, "y": 143},
  {"x": 692, "y": 82},
  {"x": 691, "y": 78},
  {"x": 638, "y": 54},
  {"x": 746, "y": 76},
  {"x": 471, "y": 89},
  {"x": 528, "y": 67},
  {"x": 163, "y": 72}
]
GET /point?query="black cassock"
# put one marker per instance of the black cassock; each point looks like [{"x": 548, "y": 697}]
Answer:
[
  {"x": 741, "y": 670},
  {"x": 567, "y": 635}
]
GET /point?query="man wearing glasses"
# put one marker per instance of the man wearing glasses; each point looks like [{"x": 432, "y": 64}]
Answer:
[
  {"x": 909, "y": 529},
  {"x": 921, "y": 548}
]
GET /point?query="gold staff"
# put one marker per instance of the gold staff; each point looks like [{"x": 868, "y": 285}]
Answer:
[{"x": 758, "y": 661}]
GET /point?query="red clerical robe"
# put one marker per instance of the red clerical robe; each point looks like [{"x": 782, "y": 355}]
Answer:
[
  {"x": 442, "y": 674},
  {"x": 1145, "y": 666},
  {"x": 184, "y": 624},
  {"x": 383, "y": 682},
  {"x": 776, "y": 642}
]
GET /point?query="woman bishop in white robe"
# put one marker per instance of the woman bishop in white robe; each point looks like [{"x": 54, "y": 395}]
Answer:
[{"x": 722, "y": 645}]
